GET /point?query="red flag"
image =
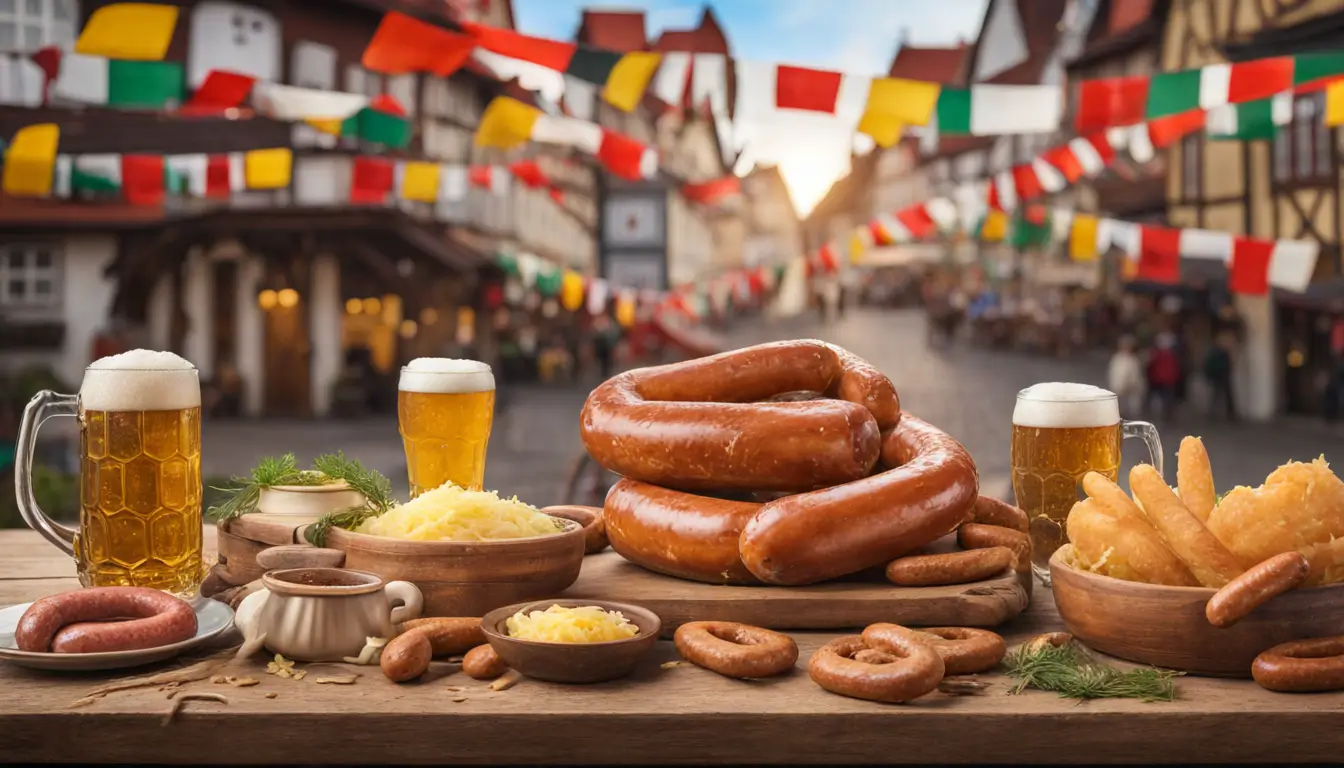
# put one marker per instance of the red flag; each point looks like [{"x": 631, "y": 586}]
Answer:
[
  {"x": 1111, "y": 101},
  {"x": 558, "y": 195},
  {"x": 481, "y": 176},
  {"x": 142, "y": 179},
  {"x": 811, "y": 89},
  {"x": 622, "y": 155},
  {"x": 221, "y": 90},
  {"x": 1249, "y": 271},
  {"x": 828, "y": 258},
  {"x": 1063, "y": 159},
  {"x": 1160, "y": 255},
  {"x": 917, "y": 220},
  {"x": 217, "y": 184},
  {"x": 1027, "y": 182},
  {"x": 710, "y": 192},
  {"x": 1260, "y": 79},
  {"x": 1165, "y": 131},
  {"x": 49, "y": 61},
  {"x": 528, "y": 172},
  {"x": 388, "y": 105},
  {"x": 371, "y": 180},
  {"x": 405, "y": 44},
  {"x": 551, "y": 54},
  {"x": 1103, "y": 147}
]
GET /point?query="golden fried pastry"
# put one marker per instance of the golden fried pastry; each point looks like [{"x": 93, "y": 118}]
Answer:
[
  {"x": 1183, "y": 533},
  {"x": 1123, "y": 545},
  {"x": 1194, "y": 478},
  {"x": 1300, "y": 505}
]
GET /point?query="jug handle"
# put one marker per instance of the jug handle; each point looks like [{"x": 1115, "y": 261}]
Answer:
[
  {"x": 409, "y": 596},
  {"x": 43, "y": 406},
  {"x": 248, "y": 615}
]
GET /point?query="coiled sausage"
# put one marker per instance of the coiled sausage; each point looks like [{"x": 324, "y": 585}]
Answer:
[
  {"x": 678, "y": 534},
  {"x": 812, "y": 537},
  {"x": 80, "y": 621},
  {"x": 698, "y": 425}
]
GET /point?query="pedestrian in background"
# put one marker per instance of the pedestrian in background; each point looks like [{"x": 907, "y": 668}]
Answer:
[
  {"x": 1164, "y": 374},
  {"x": 1125, "y": 377},
  {"x": 1218, "y": 374}
]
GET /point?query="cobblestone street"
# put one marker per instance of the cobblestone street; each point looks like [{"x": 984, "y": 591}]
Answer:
[{"x": 965, "y": 390}]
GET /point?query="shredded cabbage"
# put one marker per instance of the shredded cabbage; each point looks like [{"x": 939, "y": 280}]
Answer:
[
  {"x": 557, "y": 624},
  {"x": 452, "y": 513}
]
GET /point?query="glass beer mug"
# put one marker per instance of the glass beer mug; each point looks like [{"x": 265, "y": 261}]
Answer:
[
  {"x": 1060, "y": 433},
  {"x": 445, "y": 409},
  {"x": 139, "y": 472}
]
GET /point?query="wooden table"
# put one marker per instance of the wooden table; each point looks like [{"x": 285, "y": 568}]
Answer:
[{"x": 677, "y": 715}]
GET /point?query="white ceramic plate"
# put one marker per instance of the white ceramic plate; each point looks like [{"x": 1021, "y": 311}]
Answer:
[{"x": 212, "y": 618}]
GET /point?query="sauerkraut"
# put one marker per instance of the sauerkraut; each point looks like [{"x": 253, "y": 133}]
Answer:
[
  {"x": 452, "y": 513},
  {"x": 558, "y": 624}
]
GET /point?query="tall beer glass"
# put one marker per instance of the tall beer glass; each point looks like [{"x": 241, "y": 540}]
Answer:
[
  {"x": 444, "y": 411},
  {"x": 1061, "y": 432},
  {"x": 139, "y": 469}
]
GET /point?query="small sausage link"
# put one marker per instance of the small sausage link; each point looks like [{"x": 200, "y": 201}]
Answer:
[
  {"x": 482, "y": 663},
  {"x": 736, "y": 650},
  {"x": 406, "y": 656},
  {"x": 991, "y": 511},
  {"x": 917, "y": 669},
  {"x": 967, "y": 651},
  {"x": 447, "y": 636},
  {"x": 950, "y": 568},
  {"x": 1255, "y": 587},
  {"x": 981, "y": 536},
  {"x": 1302, "y": 666}
]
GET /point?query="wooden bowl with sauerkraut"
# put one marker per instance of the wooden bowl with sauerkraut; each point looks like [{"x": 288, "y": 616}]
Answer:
[{"x": 469, "y": 552}]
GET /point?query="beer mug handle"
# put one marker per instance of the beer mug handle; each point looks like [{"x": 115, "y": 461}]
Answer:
[
  {"x": 43, "y": 406},
  {"x": 1148, "y": 433}
]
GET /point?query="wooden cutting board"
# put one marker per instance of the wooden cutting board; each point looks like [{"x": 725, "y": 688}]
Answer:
[
  {"x": 270, "y": 529},
  {"x": 851, "y": 604}
]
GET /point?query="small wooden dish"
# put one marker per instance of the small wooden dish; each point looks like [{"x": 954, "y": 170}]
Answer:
[
  {"x": 573, "y": 662},
  {"x": 1166, "y": 626},
  {"x": 469, "y": 578}
]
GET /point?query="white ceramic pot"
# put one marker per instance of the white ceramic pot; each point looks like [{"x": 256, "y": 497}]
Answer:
[
  {"x": 325, "y": 614},
  {"x": 311, "y": 501}
]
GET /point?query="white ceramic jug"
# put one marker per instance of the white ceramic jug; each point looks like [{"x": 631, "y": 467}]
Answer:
[{"x": 325, "y": 614}]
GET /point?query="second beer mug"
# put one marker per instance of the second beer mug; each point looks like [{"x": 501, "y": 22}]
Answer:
[
  {"x": 139, "y": 469},
  {"x": 1060, "y": 433},
  {"x": 444, "y": 411}
]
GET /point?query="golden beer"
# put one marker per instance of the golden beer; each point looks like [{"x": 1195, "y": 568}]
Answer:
[
  {"x": 445, "y": 409},
  {"x": 1061, "y": 432},
  {"x": 140, "y": 473}
]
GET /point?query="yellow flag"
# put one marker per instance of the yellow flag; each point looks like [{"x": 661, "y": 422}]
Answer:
[
  {"x": 1083, "y": 238},
  {"x": 268, "y": 168},
  {"x": 885, "y": 129},
  {"x": 420, "y": 181},
  {"x": 629, "y": 78},
  {"x": 625, "y": 311},
  {"x": 909, "y": 101},
  {"x": 130, "y": 31},
  {"x": 506, "y": 123},
  {"x": 330, "y": 126},
  {"x": 855, "y": 248},
  {"x": 31, "y": 160},
  {"x": 995, "y": 227},
  {"x": 571, "y": 290},
  {"x": 1334, "y": 104}
]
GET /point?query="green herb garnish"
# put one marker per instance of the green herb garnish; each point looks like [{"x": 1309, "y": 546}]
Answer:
[
  {"x": 1072, "y": 673},
  {"x": 271, "y": 472},
  {"x": 376, "y": 489}
]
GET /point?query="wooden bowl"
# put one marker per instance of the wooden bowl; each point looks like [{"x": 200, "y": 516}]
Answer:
[
  {"x": 573, "y": 662},
  {"x": 1166, "y": 627},
  {"x": 469, "y": 578},
  {"x": 592, "y": 520}
]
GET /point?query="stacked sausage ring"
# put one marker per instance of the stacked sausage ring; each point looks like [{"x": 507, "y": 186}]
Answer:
[{"x": 688, "y": 437}]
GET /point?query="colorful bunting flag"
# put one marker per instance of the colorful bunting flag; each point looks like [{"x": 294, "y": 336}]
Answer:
[
  {"x": 710, "y": 192},
  {"x": 1249, "y": 271},
  {"x": 30, "y": 160},
  {"x": 142, "y": 179},
  {"x": 420, "y": 181},
  {"x": 116, "y": 83},
  {"x": 629, "y": 78},
  {"x": 128, "y": 31},
  {"x": 404, "y": 44},
  {"x": 268, "y": 168},
  {"x": 994, "y": 110},
  {"x": 1252, "y": 120}
]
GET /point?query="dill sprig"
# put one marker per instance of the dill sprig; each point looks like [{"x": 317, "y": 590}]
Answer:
[
  {"x": 328, "y": 468},
  {"x": 377, "y": 491},
  {"x": 1069, "y": 671}
]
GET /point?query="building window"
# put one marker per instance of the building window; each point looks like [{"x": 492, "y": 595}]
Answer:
[
  {"x": 28, "y": 275},
  {"x": 26, "y": 25},
  {"x": 1302, "y": 149},
  {"x": 1192, "y": 150}
]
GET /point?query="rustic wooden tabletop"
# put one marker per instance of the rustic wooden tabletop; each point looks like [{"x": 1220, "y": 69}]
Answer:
[{"x": 662, "y": 715}]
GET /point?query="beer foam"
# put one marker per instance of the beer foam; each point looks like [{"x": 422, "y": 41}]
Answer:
[
  {"x": 1058, "y": 405},
  {"x": 140, "y": 380},
  {"x": 446, "y": 376}
]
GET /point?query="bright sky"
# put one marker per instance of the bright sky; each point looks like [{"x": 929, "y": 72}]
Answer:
[{"x": 854, "y": 36}]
